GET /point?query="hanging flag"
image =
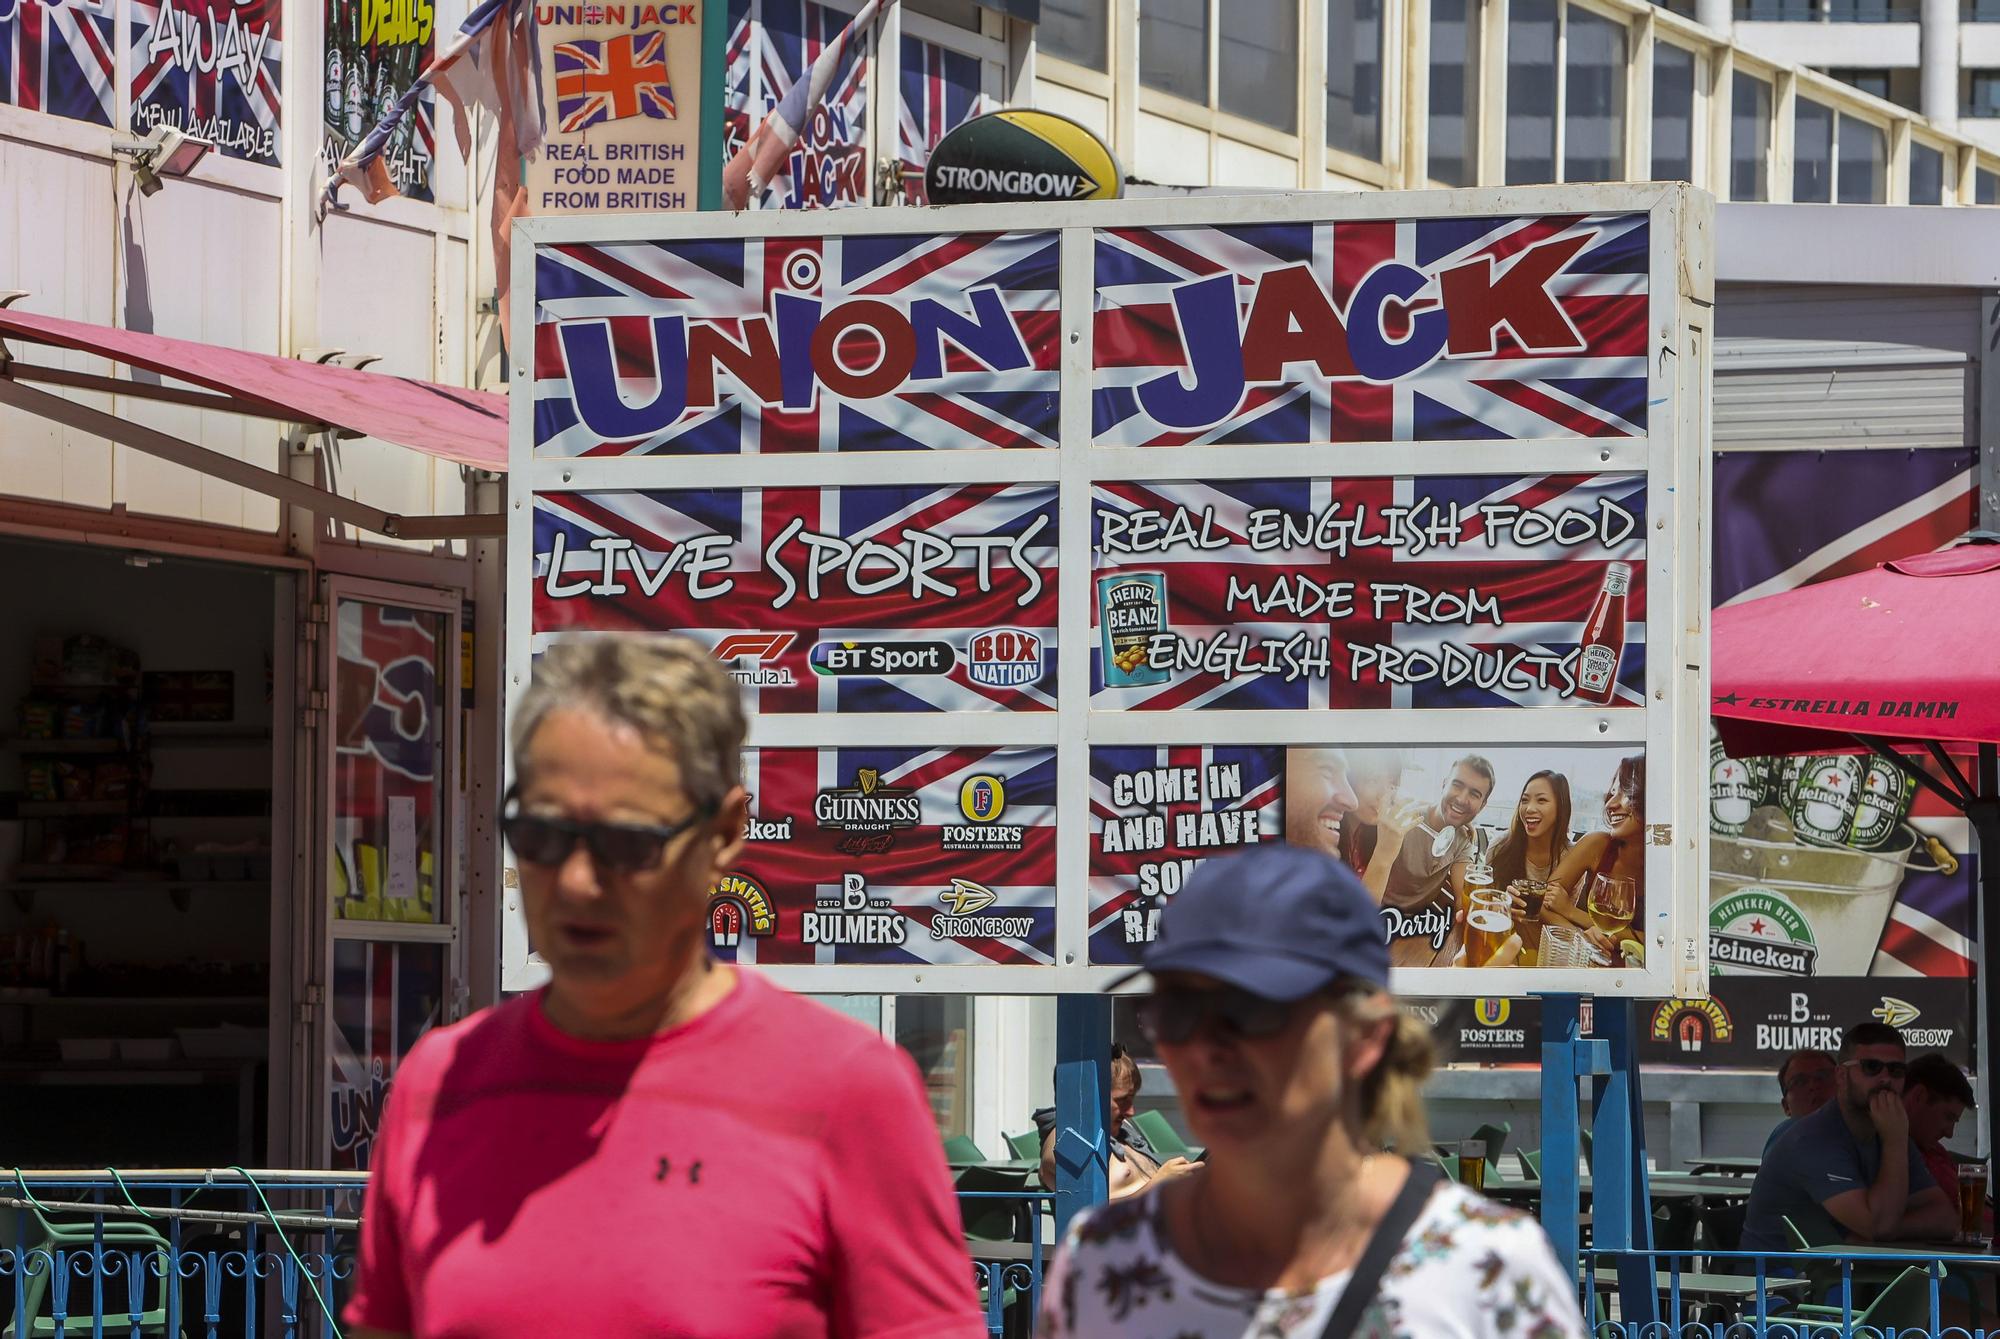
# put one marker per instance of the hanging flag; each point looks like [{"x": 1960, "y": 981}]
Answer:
[
  {"x": 763, "y": 156},
  {"x": 611, "y": 80}
]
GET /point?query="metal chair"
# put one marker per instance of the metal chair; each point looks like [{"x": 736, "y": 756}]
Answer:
[{"x": 135, "y": 1247}]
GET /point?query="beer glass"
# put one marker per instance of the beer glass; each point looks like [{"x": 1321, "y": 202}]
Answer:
[
  {"x": 1613, "y": 903},
  {"x": 1971, "y": 1200},
  {"x": 1489, "y": 920},
  {"x": 1472, "y": 1164}
]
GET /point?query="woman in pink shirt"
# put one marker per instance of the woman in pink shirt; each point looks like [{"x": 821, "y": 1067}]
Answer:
[{"x": 655, "y": 1143}]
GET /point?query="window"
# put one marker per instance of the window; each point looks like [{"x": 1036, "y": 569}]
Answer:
[
  {"x": 1354, "y": 76},
  {"x": 1775, "y": 11},
  {"x": 1454, "y": 112},
  {"x": 1173, "y": 48},
  {"x": 1868, "y": 81},
  {"x": 935, "y": 1030},
  {"x": 1077, "y": 31},
  {"x": 1531, "y": 91},
  {"x": 1673, "y": 113},
  {"x": 1812, "y": 153},
  {"x": 1594, "y": 99},
  {"x": 1864, "y": 162},
  {"x": 1749, "y": 139},
  {"x": 1258, "y": 65},
  {"x": 1979, "y": 11},
  {"x": 1872, "y": 11},
  {"x": 1982, "y": 93},
  {"x": 1985, "y": 188},
  {"x": 1926, "y": 175},
  {"x": 958, "y": 13}
]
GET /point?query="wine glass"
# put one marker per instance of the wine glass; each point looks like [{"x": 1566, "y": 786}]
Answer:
[{"x": 1614, "y": 901}]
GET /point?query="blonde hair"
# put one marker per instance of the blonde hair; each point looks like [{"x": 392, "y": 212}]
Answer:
[
  {"x": 1391, "y": 1095},
  {"x": 669, "y": 689}
]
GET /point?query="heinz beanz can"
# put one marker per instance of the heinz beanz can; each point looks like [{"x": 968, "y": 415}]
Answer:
[{"x": 1131, "y": 610}]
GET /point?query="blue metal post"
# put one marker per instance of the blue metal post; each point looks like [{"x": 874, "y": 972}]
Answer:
[
  {"x": 1083, "y": 1084},
  {"x": 1560, "y": 1196},
  {"x": 1622, "y": 1204}
]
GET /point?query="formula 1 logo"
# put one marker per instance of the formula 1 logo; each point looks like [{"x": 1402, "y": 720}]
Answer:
[{"x": 760, "y": 649}]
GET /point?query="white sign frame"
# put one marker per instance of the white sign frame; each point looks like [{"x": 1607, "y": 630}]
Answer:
[{"x": 1674, "y": 456}]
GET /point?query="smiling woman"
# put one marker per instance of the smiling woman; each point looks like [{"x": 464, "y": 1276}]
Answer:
[{"x": 745, "y": 1142}]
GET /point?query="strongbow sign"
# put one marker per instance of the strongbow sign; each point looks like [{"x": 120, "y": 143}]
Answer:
[{"x": 1020, "y": 155}]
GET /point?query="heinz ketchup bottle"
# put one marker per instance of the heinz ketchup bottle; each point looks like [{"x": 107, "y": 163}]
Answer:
[{"x": 1604, "y": 637}]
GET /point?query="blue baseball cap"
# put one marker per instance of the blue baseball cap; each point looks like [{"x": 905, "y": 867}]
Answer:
[{"x": 1278, "y": 921}]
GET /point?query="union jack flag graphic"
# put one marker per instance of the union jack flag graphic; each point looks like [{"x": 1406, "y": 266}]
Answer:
[
  {"x": 729, "y": 287},
  {"x": 1128, "y": 884},
  {"x": 714, "y": 564},
  {"x": 58, "y": 58},
  {"x": 928, "y": 884},
  {"x": 1233, "y": 579},
  {"x": 213, "y": 68},
  {"x": 385, "y": 996},
  {"x": 388, "y": 730},
  {"x": 1593, "y": 383},
  {"x": 773, "y": 44},
  {"x": 612, "y": 80},
  {"x": 1785, "y": 519},
  {"x": 940, "y": 91}
]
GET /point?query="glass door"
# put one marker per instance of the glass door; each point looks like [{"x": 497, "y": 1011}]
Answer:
[{"x": 391, "y": 789}]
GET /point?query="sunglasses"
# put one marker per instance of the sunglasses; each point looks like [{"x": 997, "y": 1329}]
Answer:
[
  {"x": 1173, "y": 1017},
  {"x": 1875, "y": 1069},
  {"x": 617, "y": 848}
]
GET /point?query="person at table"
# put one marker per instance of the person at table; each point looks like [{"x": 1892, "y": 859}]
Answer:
[
  {"x": 1134, "y": 1163},
  {"x": 655, "y": 1142},
  {"x": 1538, "y": 836},
  {"x": 1935, "y": 1095},
  {"x": 1334, "y": 799},
  {"x": 1850, "y": 1171},
  {"x": 1616, "y": 850},
  {"x": 1270, "y": 1008},
  {"x": 1423, "y": 849},
  {"x": 1805, "y": 1084}
]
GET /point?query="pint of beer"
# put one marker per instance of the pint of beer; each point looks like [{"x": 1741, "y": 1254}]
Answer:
[
  {"x": 1472, "y": 1164},
  {"x": 1971, "y": 1200},
  {"x": 1487, "y": 927}
]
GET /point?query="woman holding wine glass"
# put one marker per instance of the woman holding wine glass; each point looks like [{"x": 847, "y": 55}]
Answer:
[{"x": 1598, "y": 883}]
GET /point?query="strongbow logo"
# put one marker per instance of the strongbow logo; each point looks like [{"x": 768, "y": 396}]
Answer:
[
  {"x": 1895, "y": 1012},
  {"x": 760, "y": 649},
  {"x": 1692, "y": 1023},
  {"x": 966, "y": 898}
]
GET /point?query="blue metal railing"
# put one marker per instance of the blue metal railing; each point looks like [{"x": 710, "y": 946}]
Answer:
[
  {"x": 214, "y": 1255},
  {"x": 1756, "y": 1295}
]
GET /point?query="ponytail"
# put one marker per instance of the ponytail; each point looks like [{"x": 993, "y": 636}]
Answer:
[{"x": 1391, "y": 1096}]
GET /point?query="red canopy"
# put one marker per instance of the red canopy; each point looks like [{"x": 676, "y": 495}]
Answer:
[
  {"x": 469, "y": 427},
  {"x": 1907, "y": 651}
]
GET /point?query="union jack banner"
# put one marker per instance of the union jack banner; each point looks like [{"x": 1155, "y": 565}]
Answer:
[
  {"x": 940, "y": 91},
  {"x": 731, "y": 287},
  {"x": 1785, "y": 519},
  {"x": 733, "y": 569},
  {"x": 385, "y": 996},
  {"x": 212, "y": 68},
  {"x": 1586, "y": 377},
  {"x": 387, "y": 728},
  {"x": 894, "y": 856},
  {"x": 58, "y": 58},
  {"x": 1127, "y": 885},
  {"x": 612, "y": 80},
  {"x": 772, "y": 45},
  {"x": 1407, "y": 632}
]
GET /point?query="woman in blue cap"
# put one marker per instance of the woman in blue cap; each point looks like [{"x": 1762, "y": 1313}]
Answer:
[{"x": 1271, "y": 1011}]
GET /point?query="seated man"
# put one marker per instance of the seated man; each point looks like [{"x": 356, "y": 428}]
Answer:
[
  {"x": 1805, "y": 1083},
  {"x": 1935, "y": 1095},
  {"x": 1133, "y": 1165},
  {"x": 1850, "y": 1171}
]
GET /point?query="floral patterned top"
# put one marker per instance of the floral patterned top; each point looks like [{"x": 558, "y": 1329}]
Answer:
[{"x": 1469, "y": 1269}]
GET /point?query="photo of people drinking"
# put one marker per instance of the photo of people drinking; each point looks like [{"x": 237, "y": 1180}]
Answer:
[{"x": 1501, "y": 857}]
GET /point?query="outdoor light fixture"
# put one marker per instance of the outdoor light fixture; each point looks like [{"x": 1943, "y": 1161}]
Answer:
[{"x": 164, "y": 152}]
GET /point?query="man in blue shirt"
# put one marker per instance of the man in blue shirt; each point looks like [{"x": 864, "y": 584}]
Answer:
[{"x": 1850, "y": 1171}]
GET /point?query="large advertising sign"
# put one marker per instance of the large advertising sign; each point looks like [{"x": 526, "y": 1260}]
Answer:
[
  {"x": 375, "y": 49},
  {"x": 212, "y": 68},
  {"x": 1420, "y": 489},
  {"x": 60, "y": 57}
]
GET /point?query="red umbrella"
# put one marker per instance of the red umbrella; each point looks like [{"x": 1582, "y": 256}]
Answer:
[{"x": 1902, "y": 658}]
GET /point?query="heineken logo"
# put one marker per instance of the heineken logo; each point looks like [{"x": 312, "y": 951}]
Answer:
[{"x": 1758, "y": 932}]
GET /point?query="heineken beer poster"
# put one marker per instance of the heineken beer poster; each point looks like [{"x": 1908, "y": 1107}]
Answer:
[
  {"x": 621, "y": 88},
  {"x": 893, "y": 856},
  {"x": 374, "y": 51},
  {"x": 1477, "y": 857}
]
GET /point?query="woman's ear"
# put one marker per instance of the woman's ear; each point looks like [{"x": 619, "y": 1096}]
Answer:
[{"x": 1366, "y": 1042}]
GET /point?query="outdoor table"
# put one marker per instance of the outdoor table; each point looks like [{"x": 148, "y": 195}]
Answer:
[
  {"x": 1726, "y": 1166},
  {"x": 1715, "y": 1288},
  {"x": 1662, "y": 1185}
]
